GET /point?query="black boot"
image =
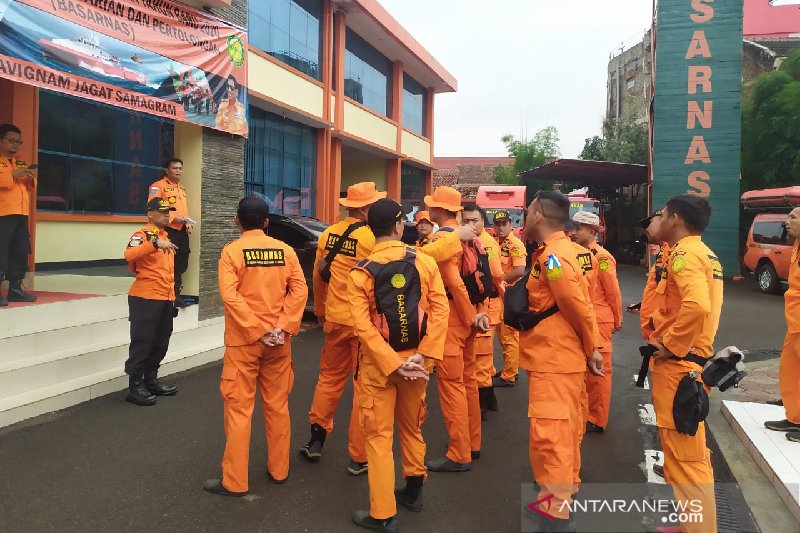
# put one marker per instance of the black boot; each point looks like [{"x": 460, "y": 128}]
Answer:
[
  {"x": 159, "y": 388},
  {"x": 411, "y": 496},
  {"x": 312, "y": 450},
  {"x": 138, "y": 393},
  {"x": 363, "y": 519},
  {"x": 491, "y": 399},
  {"x": 482, "y": 403},
  {"x": 16, "y": 294}
]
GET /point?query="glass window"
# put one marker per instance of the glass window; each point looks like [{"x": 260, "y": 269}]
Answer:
[
  {"x": 770, "y": 233},
  {"x": 367, "y": 74},
  {"x": 281, "y": 163},
  {"x": 97, "y": 159},
  {"x": 288, "y": 30},
  {"x": 414, "y": 108},
  {"x": 412, "y": 189}
]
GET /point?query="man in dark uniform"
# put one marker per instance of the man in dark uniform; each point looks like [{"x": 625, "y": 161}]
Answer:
[{"x": 151, "y": 303}]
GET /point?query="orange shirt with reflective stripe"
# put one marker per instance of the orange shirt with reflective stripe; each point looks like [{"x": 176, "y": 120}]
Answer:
[
  {"x": 262, "y": 287},
  {"x": 792, "y": 295},
  {"x": 494, "y": 306},
  {"x": 462, "y": 310},
  {"x": 176, "y": 194},
  {"x": 512, "y": 252},
  {"x": 154, "y": 268},
  {"x": 690, "y": 300},
  {"x": 649, "y": 296},
  {"x": 607, "y": 297},
  {"x": 332, "y": 300},
  {"x": 14, "y": 195},
  {"x": 562, "y": 342},
  {"x": 379, "y": 359}
]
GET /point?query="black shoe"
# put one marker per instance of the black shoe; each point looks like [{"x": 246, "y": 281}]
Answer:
[
  {"x": 593, "y": 428},
  {"x": 778, "y": 402},
  {"x": 18, "y": 295},
  {"x": 214, "y": 486},
  {"x": 159, "y": 388},
  {"x": 793, "y": 436},
  {"x": 277, "y": 481},
  {"x": 138, "y": 394},
  {"x": 356, "y": 469},
  {"x": 491, "y": 399},
  {"x": 500, "y": 382},
  {"x": 782, "y": 425},
  {"x": 312, "y": 450},
  {"x": 549, "y": 525},
  {"x": 180, "y": 303},
  {"x": 363, "y": 519},
  {"x": 475, "y": 455},
  {"x": 411, "y": 496},
  {"x": 658, "y": 470},
  {"x": 443, "y": 464},
  {"x": 497, "y": 374}
]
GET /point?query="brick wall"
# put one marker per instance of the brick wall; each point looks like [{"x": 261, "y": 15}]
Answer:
[{"x": 236, "y": 13}]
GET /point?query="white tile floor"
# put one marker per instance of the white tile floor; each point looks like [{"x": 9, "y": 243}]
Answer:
[{"x": 777, "y": 457}]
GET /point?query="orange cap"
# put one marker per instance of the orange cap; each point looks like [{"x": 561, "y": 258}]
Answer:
[
  {"x": 446, "y": 198},
  {"x": 423, "y": 215},
  {"x": 361, "y": 195}
]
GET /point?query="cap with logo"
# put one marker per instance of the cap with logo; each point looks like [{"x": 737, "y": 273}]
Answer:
[
  {"x": 646, "y": 221},
  {"x": 585, "y": 217},
  {"x": 160, "y": 204},
  {"x": 445, "y": 198},
  {"x": 361, "y": 195},
  {"x": 384, "y": 213},
  {"x": 502, "y": 216}
]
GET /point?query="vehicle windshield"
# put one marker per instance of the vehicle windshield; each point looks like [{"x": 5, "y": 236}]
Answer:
[
  {"x": 583, "y": 205},
  {"x": 316, "y": 227},
  {"x": 517, "y": 216}
]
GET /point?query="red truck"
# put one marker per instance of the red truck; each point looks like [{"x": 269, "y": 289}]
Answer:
[{"x": 511, "y": 198}]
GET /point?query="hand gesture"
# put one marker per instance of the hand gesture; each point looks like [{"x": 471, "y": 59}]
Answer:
[
  {"x": 466, "y": 233},
  {"x": 596, "y": 364},
  {"x": 412, "y": 368},
  {"x": 618, "y": 327},
  {"x": 178, "y": 219},
  {"x": 482, "y": 322},
  {"x": 23, "y": 174},
  {"x": 167, "y": 246},
  {"x": 189, "y": 228},
  {"x": 663, "y": 352}
]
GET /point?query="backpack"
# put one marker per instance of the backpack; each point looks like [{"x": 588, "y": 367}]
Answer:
[
  {"x": 398, "y": 293},
  {"x": 324, "y": 264},
  {"x": 516, "y": 310},
  {"x": 475, "y": 270}
]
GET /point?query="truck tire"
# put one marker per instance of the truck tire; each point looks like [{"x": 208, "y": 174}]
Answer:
[{"x": 767, "y": 278}]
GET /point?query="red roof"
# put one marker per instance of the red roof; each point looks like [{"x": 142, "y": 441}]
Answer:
[
  {"x": 765, "y": 21},
  {"x": 455, "y": 162}
]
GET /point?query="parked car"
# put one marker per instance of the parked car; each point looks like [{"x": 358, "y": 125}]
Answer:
[
  {"x": 302, "y": 234},
  {"x": 768, "y": 251}
]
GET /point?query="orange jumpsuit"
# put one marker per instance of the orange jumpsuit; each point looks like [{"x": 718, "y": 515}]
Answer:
[
  {"x": 458, "y": 388},
  {"x": 555, "y": 353},
  {"x": 649, "y": 296},
  {"x": 340, "y": 350},
  {"x": 176, "y": 194},
  {"x": 153, "y": 268},
  {"x": 385, "y": 397},
  {"x": 685, "y": 321},
  {"x": 790, "y": 357},
  {"x": 262, "y": 287},
  {"x": 607, "y": 300},
  {"x": 14, "y": 194},
  {"x": 512, "y": 254},
  {"x": 484, "y": 342}
]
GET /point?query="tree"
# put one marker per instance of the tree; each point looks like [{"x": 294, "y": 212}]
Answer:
[
  {"x": 527, "y": 154},
  {"x": 771, "y": 128},
  {"x": 624, "y": 140}
]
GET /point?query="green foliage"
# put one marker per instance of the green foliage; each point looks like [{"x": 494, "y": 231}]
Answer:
[
  {"x": 527, "y": 154},
  {"x": 771, "y": 128},
  {"x": 624, "y": 140}
]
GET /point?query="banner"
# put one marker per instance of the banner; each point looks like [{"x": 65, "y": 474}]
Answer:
[
  {"x": 697, "y": 118},
  {"x": 153, "y": 56}
]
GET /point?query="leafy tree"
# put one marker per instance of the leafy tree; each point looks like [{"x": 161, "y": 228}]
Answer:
[
  {"x": 624, "y": 140},
  {"x": 527, "y": 154},
  {"x": 771, "y": 128}
]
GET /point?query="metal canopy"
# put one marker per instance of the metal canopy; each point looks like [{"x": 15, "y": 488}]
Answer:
[{"x": 590, "y": 173}]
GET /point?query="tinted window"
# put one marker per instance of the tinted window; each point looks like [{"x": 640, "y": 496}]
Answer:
[
  {"x": 286, "y": 233},
  {"x": 414, "y": 109},
  {"x": 367, "y": 74},
  {"x": 412, "y": 187},
  {"x": 288, "y": 30},
  {"x": 770, "y": 233}
]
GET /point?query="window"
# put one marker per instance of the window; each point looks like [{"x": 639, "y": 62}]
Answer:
[
  {"x": 412, "y": 189},
  {"x": 631, "y": 83},
  {"x": 97, "y": 159},
  {"x": 367, "y": 74},
  {"x": 281, "y": 163},
  {"x": 414, "y": 108},
  {"x": 770, "y": 233},
  {"x": 290, "y": 31}
]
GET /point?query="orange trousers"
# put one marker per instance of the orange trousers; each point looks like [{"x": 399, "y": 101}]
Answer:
[
  {"x": 687, "y": 460},
  {"x": 337, "y": 363},
  {"x": 484, "y": 358},
  {"x": 244, "y": 368},
  {"x": 789, "y": 379},
  {"x": 509, "y": 340},
  {"x": 598, "y": 388},
  {"x": 458, "y": 393},
  {"x": 557, "y": 424},
  {"x": 399, "y": 401}
]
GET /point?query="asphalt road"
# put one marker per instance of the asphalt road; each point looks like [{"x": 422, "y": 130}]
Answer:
[{"x": 107, "y": 465}]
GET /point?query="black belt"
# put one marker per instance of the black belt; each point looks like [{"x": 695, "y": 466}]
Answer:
[
  {"x": 647, "y": 353},
  {"x": 692, "y": 358}
]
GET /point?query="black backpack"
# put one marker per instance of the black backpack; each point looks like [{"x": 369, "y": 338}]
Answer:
[
  {"x": 324, "y": 264},
  {"x": 516, "y": 310},
  {"x": 398, "y": 293},
  {"x": 475, "y": 270}
]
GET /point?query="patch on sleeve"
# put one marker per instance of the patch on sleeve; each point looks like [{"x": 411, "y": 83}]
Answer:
[
  {"x": 553, "y": 272},
  {"x": 136, "y": 240},
  {"x": 264, "y": 257},
  {"x": 716, "y": 267},
  {"x": 603, "y": 265},
  {"x": 153, "y": 191},
  {"x": 678, "y": 264},
  {"x": 515, "y": 252}
]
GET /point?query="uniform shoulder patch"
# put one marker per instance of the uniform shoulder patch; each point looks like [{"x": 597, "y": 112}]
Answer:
[
  {"x": 515, "y": 251},
  {"x": 136, "y": 240},
  {"x": 553, "y": 271},
  {"x": 678, "y": 264},
  {"x": 603, "y": 265},
  {"x": 153, "y": 191}
]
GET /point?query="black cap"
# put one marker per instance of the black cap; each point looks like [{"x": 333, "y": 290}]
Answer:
[
  {"x": 160, "y": 204},
  {"x": 502, "y": 216},
  {"x": 252, "y": 209},
  {"x": 384, "y": 213},
  {"x": 646, "y": 221}
]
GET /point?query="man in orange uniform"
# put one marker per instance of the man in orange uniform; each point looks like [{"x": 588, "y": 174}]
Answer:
[
  {"x": 790, "y": 357},
  {"x": 180, "y": 225},
  {"x": 512, "y": 259},
  {"x": 340, "y": 247},
  {"x": 475, "y": 217},
  {"x": 17, "y": 181},
  {"x": 607, "y": 301},
  {"x": 458, "y": 389},
  {"x": 150, "y": 304},
  {"x": 649, "y": 296},
  {"x": 391, "y": 370},
  {"x": 424, "y": 227},
  {"x": 264, "y": 292},
  {"x": 685, "y": 323},
  {"x": 556, "y": 353}
]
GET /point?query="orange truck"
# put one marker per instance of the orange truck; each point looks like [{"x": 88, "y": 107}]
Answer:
[
  {"x": 768, "y": 249},
  {"x": 581, "y": 202},
  {"x": 511, "y": 198}
]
